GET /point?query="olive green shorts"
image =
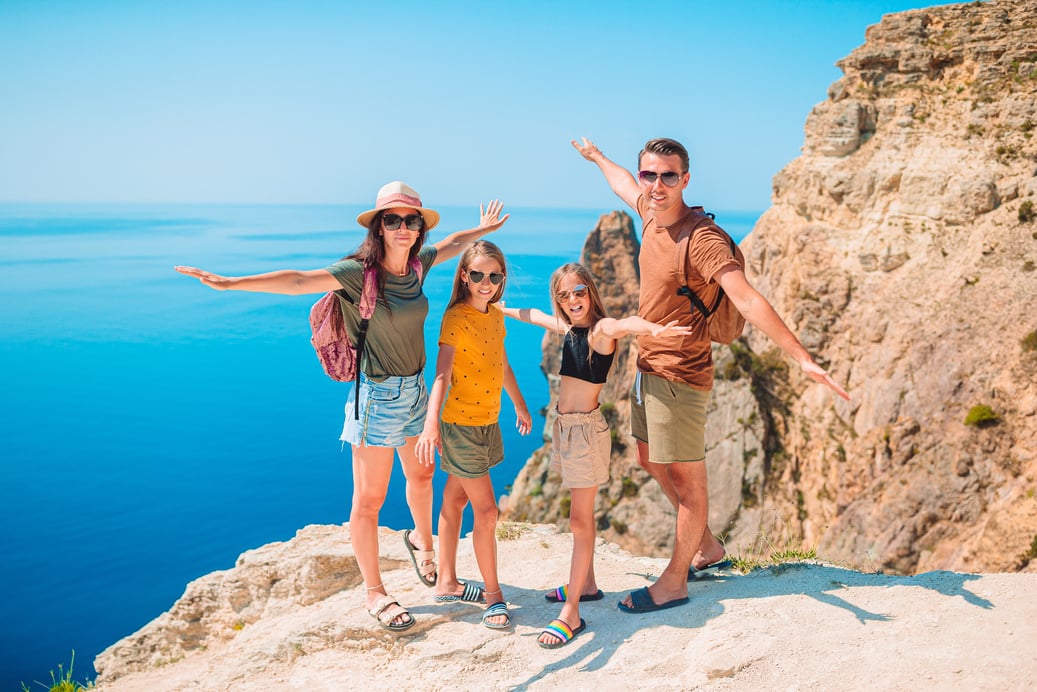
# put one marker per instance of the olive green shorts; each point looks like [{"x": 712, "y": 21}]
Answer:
[
  {"x": 469, "y": 451},
  {"x": 670, "y": 417}
]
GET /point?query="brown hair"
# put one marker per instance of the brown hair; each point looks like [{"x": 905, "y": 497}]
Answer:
[
  {"x": 663, "y": 146},
  {"x": 371, "y": 252},
  {"x": 483, "y": 248},
  {"x": 597, "y": 308}
]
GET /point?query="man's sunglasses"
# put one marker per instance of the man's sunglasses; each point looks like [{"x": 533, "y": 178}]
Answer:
[
  {"x": 578, "y": 291},
  {"x": 414, "y": 222},
  {"x": 670, "y": 179},
  {"x": 496, "y": 278}
]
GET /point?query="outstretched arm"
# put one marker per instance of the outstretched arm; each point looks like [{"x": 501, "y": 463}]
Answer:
[
  {"x": 615, "y": 329},
  {"x": 619, "y": 178},
  {"x": 759, "y": 313},
  {"x": 538, "y": 317},
  {"x": 523, "y": 421},
  {"x": 429, "y": 442},
  {"x": 606, "y": 330},
  {"x": 489, "y": 220},
  {"x": 286, "y": 282}
]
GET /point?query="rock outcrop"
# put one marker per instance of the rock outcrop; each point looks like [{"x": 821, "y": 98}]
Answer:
[
  {"x": 632, "y": 511},
  {"x": 901, "y": 247},
  {"x": 289, "y": 616}
]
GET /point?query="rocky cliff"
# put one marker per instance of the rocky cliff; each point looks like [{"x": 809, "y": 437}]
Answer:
[
  {"x": 289, "y": 616},
  {"x": 901, "y": 247}
]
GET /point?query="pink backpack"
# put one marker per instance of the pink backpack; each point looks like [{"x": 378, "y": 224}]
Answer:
[{"x": 336, "y": 352}]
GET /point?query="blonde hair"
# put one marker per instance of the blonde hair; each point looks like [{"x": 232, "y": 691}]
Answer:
[
  {"x": 480, "y": 248},
  {"x": 597, "y": 308}
]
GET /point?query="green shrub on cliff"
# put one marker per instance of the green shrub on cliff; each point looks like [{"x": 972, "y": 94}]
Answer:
[
  {"x": 62, "y": 682},
  {"x": 769, "y": 551},
  {"x": 1026, "y": 212},
  {"x": 510, "y": 530},
  {"x": 982, "y": 416},
  {"x": 1030, "y": 341},
  {"x": 1031, "y": 554}
]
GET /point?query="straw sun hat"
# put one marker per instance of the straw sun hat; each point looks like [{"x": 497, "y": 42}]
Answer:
[{"x": 397, "y": 194}]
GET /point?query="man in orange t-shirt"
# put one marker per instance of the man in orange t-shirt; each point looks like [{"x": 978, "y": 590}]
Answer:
[{"x": 668, "y": 406}]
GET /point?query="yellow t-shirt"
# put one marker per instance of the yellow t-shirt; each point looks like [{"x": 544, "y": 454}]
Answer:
[{"x": 478, "y": 373}]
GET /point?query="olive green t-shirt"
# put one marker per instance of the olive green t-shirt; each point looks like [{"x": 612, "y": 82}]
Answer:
[
  {"x": 396, "y": 333},
  {"x": 687, "y": 359}
]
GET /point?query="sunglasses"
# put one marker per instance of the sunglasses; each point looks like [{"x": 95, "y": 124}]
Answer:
[
  {"x": 414, "y": 222},
  {"x": 578, "y": 291},
  {"x": 670, "y": 179},
  {"x": 496, "y": 278}
]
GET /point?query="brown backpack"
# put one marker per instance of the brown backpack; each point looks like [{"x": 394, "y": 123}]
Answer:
[{"x": 724, "y": 322}]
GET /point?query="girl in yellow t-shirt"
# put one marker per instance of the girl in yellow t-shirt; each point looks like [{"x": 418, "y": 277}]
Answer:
[{"x": 472, "y": 364}]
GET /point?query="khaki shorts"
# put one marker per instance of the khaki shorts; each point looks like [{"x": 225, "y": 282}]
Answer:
[
  {"x": 581, "y": 447},
  {"x": 470, "y": 450},
  {"x": 670, "y": 417}
]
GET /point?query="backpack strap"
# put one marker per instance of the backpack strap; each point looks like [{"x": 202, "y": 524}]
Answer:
[
  {"x": 680, "y": 262},
  {"x": 366, "y": 305}
]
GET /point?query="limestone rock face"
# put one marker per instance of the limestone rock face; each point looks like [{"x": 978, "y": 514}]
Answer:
[
  {"x": 631, "y": 510},
  {"x": 901, "y": 248},
  {"x": 901, "y": 254}
]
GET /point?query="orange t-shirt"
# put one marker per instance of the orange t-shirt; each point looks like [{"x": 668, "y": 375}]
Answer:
[{"x": 686, "y": 359}]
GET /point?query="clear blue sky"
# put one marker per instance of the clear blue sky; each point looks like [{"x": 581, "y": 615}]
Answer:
[{"x": 322, "y": 102}]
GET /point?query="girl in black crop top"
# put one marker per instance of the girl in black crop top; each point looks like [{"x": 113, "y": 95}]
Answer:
[{"x": 587, "y": 354}]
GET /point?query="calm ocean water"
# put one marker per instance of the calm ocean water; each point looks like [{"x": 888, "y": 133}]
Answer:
[{"x": 153, "y": 429}]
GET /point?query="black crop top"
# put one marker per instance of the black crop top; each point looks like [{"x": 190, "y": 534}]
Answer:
[{"x": 574, "y": 358}]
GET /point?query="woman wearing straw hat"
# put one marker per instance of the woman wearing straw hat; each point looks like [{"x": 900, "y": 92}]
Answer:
[{"x": 393, "y": 396}]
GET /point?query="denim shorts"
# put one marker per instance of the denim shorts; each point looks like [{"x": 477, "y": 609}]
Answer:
[{"x": 390, "y": 411}]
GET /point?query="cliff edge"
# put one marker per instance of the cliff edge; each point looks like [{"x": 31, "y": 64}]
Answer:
[{"x": 289, "y": 616}]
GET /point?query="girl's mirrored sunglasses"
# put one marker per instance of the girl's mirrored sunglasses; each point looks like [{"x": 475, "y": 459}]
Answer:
[
  {"x": 578, "y": 291},
  {"x": 670, "y": 179},
  {"x": 414, "y": 222},
  {"x": 496, "y": 278}
]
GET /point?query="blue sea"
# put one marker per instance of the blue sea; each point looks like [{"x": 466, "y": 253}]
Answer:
[{"x": 153, "y": 429}]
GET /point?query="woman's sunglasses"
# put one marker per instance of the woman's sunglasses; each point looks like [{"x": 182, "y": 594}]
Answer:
[
  {"x": 414, "y": 222},
  {"x": 496, "y": 278},
  {"x": 670, "y": 179},
  {"x": 578, "y": 291}
]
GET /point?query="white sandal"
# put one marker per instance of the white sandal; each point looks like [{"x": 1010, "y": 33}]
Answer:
[
  {"x": 424, "y": 561},
  {"x": 387, "y": 610}
]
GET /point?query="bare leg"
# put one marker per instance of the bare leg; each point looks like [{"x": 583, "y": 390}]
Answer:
[
  {"x": 710, "y": 550},
  {"x": 419, "y": 494},
  {"x": 658, "y": 472},
  {"x": 372, "y": 467},
  {"x": 689, "y": 479},
  {"x": 454, "y": 501},
  {"x": 581, "y": 572},
  {"x": 484, "y": 537}
]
